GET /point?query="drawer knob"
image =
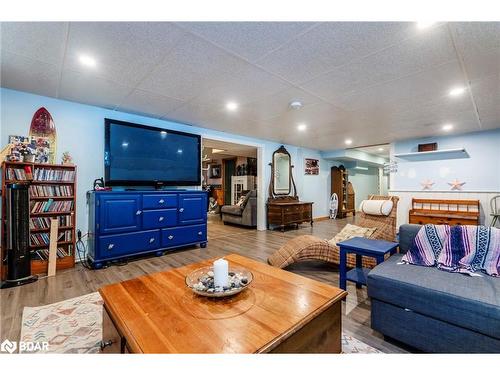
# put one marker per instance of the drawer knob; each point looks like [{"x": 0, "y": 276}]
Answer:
[
  {"x": 160, "y": 218},
  {"x": 105, "y": 344},
  {"x": 170, "y": 237},
  {"x": 138, "y": 212},
  {"x": 151, "y": 240},
  {"x": 181, "y": 209},
  {"x": 200, "y": 233},
  {"x": 161, "y": 201},
  {"x": 110, "y": 246}
]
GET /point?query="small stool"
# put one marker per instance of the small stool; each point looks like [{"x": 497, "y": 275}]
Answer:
[{"x": 362, "y": 247}]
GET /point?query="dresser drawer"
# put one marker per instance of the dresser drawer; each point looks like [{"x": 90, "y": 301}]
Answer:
[
  {"x": 122, "y": 244},
  {"x": 159, "y": 218},
  {"x": 183, "y": 235},
  {"x": 156, "y": 201}
]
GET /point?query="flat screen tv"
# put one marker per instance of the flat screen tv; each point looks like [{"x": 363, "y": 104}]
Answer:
[{"x": 140, "y": 155}]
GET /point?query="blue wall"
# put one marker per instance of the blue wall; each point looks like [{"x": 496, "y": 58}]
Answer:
[
  {"x": 480, "y": 171},
  {"x": 80, "y": 130}
]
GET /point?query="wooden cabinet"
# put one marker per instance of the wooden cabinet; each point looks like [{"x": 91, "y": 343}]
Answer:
[
  {"x": 343, "y": 188},
  {"x": 288, "y": 212},
  {"x": 218, "y": 194}
]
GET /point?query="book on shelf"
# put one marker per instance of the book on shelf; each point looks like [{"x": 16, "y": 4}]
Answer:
[
  {"x": 51, "y": 205},
  {"x": 51, "y": 191},
  {"x": 44, "y": 222},
  {"x": 57, "y": 175},
  {"x": 37, "y": 239},
  {"x": 43, "y": 254}
]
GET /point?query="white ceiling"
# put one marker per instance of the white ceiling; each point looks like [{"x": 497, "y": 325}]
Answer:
[
  {"x": 230, "y": 149},
  {"x": 369, "y": 81}
]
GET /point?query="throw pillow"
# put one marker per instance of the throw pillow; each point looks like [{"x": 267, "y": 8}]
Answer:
[
  {"x": 350, "y": 231},
  {"x": 241, "y": 201},
  {"x": 376, "y": 207}
]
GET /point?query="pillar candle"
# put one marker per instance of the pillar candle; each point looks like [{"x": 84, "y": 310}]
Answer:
[{"x": 221, "y": 273}]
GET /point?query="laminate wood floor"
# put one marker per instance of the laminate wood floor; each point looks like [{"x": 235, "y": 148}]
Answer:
[{"x": 223, "y": 239}]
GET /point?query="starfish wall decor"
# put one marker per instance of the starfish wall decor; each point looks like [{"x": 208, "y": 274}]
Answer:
[
  {"x": 427, "y": 184},
  {"x": 456, "y": 185}
]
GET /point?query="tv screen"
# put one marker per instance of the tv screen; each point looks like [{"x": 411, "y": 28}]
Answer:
[{"x": 145, "y": 155}]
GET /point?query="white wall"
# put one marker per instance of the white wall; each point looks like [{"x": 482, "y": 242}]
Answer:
[{"x": 80, "y": 130}]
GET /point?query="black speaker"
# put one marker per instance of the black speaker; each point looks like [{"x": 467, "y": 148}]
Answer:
[{"x": 17, "y": 231}]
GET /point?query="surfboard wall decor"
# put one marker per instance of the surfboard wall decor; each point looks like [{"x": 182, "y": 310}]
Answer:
[{"x": 43, "y": 131}]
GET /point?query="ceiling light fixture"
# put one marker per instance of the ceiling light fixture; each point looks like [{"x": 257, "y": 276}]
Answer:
[
  {"x": 457, "y": 91},
  {"x": 217, "y": 150},
  {"x": 348, "y": 141},
  {"x": 361, "y": 168},
  {"x": 295, "y": 104},
  {"x": 424, "y": 24},
  {"x": 381, "y": 149},
  {"x": 302, "y": 127},
  {"x": 232, "y": 106},
  {"x": 87, "y": 61},
  {"x": 447, "y": 127}
]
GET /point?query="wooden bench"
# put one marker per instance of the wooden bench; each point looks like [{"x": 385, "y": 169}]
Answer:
[{"x": 444, "y": 211}]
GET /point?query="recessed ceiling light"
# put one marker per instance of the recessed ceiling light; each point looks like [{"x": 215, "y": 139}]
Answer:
[
  {"x": 381, "y": 149},
  {"x": 447, "y": 127},
  {"x": 87, "y": 61},
  {"x": 302, "y": 127},
  {"x": 217, "y": 150},
  {"x": 424, "y": 24},
  {"x": 457, "y": 91},
  {"x": 348, "y": 141},
  {"x": 231, "y": 106}
]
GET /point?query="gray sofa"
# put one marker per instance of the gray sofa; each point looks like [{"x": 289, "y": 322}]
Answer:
[
  {"x": 246, "y": 214},
  {"x": 432, "y": 310}
]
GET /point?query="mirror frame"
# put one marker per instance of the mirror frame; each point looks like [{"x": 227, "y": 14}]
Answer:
[{"x": 292, "y": 189}]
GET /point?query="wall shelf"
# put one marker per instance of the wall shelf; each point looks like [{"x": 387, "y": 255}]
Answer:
[{"x": 452, "y": 153}]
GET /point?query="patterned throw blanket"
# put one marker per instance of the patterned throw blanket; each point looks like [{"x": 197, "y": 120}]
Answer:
[{"x": 461, "y": 248}]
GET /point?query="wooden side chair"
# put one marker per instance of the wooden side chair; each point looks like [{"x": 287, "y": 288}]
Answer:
[
  {"x": 495, "y": 210},
  {"x": 307, "y": 247}
]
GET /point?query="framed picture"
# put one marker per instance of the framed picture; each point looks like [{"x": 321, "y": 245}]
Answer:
[
  {"x": 312, "y": 166},
  {"x": 215, "y": 171}
]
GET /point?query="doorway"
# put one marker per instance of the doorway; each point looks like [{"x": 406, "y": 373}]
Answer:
[{"x": 229, "y": 174}]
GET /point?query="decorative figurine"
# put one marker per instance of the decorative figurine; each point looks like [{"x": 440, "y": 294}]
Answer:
[{"x": 66, "y": 158}]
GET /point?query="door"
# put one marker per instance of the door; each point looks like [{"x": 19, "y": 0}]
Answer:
[
  {"x": 229, "y": 170},
  {"x": 192, "y": 208},
  {"x": 119, "y": 213}
]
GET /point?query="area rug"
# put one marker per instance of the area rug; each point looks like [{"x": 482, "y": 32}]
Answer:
[
  {"x": 70, "y": 326},
  {"x": 75, "y": 326}
]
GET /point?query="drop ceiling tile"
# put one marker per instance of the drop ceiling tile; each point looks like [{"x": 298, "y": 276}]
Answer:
[
  {"x": 42, "y": 41},
  {"x": 88, "y": 89},
  {"x": 267, "y": 107},
  {"x": 125, "y": 51},
  {"x": 247, "y": 84},
  {"x": 479, "y": 45},
  {"x": 148, "y": 104},
  {"x": 192, "y": 68},
  {"x": 486, "y": 93},
  {"x": 429, "y": 85},
  {"x": 330, "y": 45},
  {"x": 24, "y": 74},
  {"x": 250, "y": 40},
  {"x": 413, "y": 55}
]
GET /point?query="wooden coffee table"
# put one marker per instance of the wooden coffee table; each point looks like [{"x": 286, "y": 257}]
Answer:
[{"x": 279, "y": 312}]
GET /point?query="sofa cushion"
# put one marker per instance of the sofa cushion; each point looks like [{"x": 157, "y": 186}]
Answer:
[
  {"x": 232, "y": 210},
  {"x": 407, "y": 233},
  {"x": 469, "y": 302}
]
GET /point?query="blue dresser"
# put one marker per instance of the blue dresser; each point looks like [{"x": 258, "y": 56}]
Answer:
[{"x": 128, "y": 223}]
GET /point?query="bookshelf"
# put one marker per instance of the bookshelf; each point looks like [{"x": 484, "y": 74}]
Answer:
[
  {"x": 52, "y": 193},
  {"x": 341, "y": 186}
]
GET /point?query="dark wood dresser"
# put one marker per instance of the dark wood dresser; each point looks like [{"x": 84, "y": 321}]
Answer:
[{"x": 283, "y": 213}]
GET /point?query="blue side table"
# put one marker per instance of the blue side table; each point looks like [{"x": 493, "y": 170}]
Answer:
[{"x": 362, "y": 247}]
